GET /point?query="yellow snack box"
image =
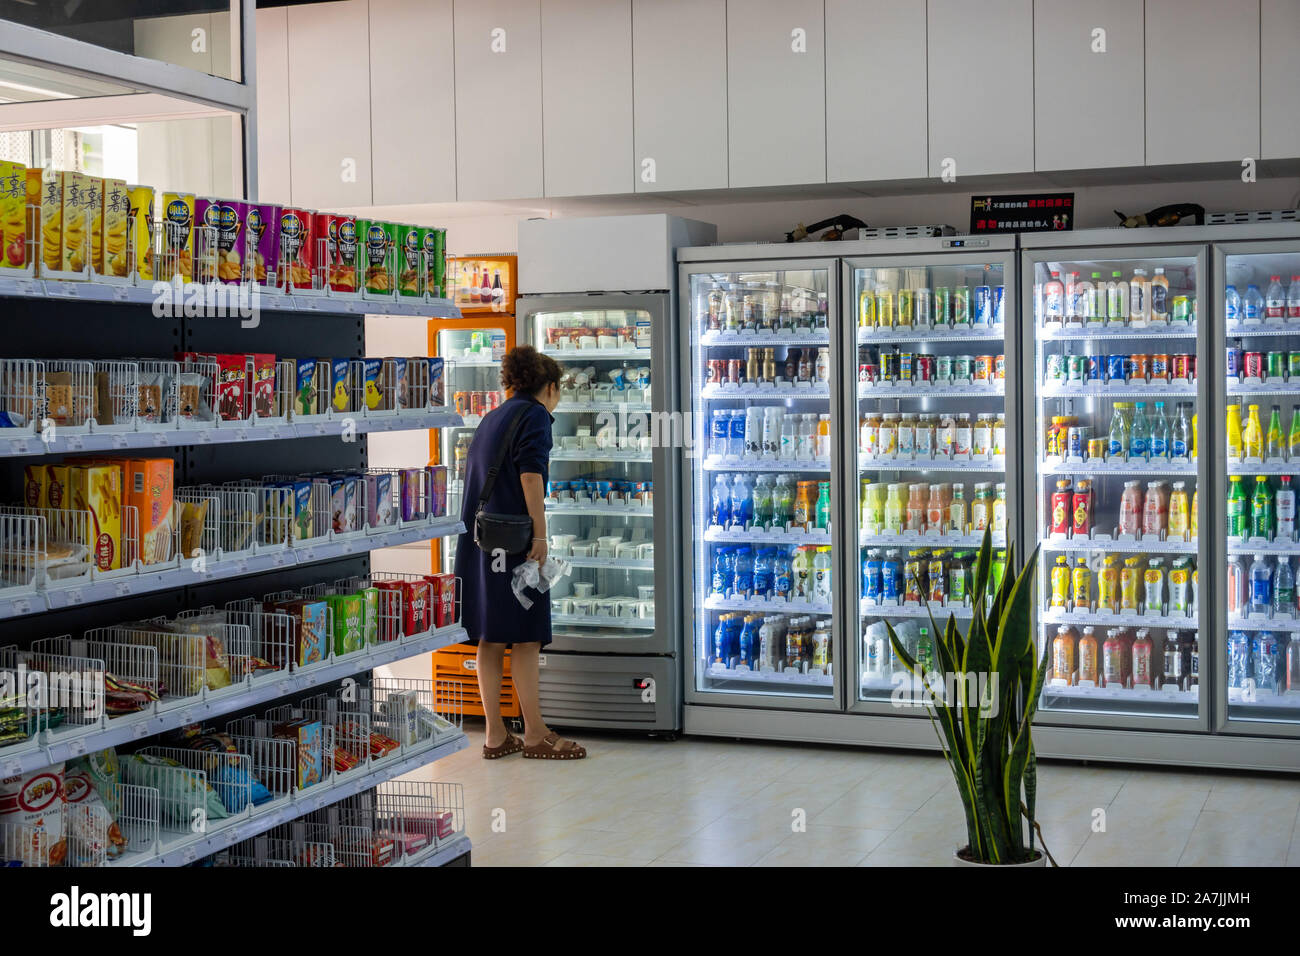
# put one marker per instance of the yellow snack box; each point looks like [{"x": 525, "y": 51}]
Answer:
[
  {"x": 149, "y": 491},
  {"x": 97, "y": 490},
  {"x": 140, "y": 225},
  {"x": 51, "y": 203},
  {"x": 13, "y": 215},
  {"x": 113, "y": 260},
  {"x": 56, "y": 488},
  {"x": 83, "y": 218},
  {"x": 178, "y": 235}
]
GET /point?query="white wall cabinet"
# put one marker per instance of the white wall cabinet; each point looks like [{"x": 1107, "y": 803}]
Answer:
[
  {"x": 1279, "y": 81},
  {"x": 679, "y": 92},
  {"x": 273, "y": 145},
  {"x": 498, "y": 99},
  {"x": 329, "y": 104},
  {"x": 776, "y": 92},
  {"x": 1088, "y": 63},
  {"x": 981, "y": 87},
  {"x": 587, "y": 97},
  {"x": 1202, "y": 81},
  {"x": 412, "y": 110},
  {"x": 875, "y": 104}
]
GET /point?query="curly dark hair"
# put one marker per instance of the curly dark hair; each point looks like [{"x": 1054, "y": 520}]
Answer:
[{"x": 526, "y": 371}]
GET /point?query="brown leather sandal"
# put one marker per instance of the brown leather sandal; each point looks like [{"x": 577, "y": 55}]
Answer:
[
  {"x": 551, "y": 748},
  {"x": 512, "y": 745}
]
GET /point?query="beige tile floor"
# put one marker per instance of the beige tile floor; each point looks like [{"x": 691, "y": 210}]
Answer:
[{"x": 708, "y": 802}]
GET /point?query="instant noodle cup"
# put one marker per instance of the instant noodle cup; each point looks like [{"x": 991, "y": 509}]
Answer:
[
  {"x": 297, "y": 253},
  {"x": 225, "y": 220},
  {"x": 140, "y": 225},
  {"x": 262, "y": 242},
  {"x": 177, "y": 236},
  {"x": 13, "y": 215},
  {"x": 113, "y": 259}
]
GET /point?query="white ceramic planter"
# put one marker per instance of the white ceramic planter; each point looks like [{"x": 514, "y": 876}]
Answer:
[{"x": 958, "y": 861}]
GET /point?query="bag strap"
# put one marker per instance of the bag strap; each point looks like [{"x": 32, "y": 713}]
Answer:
[{"x": 504, "y": 448}]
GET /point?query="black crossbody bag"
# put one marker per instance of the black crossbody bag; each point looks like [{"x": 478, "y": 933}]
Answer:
[{"x": 512, "y": 534}]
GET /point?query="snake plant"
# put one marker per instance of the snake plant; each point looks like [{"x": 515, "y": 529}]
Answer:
[{"x": 986, "y": 736}]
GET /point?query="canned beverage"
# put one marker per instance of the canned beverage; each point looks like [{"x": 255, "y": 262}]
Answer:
[
  {"x": 1141, "y": 366},
  {"x": 1115, "y": 368},
  {"x": 943, "y": 306},
  {"x": 1076, "y": 441},
  {"x": 1179, "y": 366},
  {"x": 717, "y": 371},
  {"x": 983, "y": 305},
  {"x": 1191, "y": 367},
  {"x": 735, "y": 370},
  {"x": 924, "y": 307},
  {"x": 1076, "y": 369},
  {"x": 1182, "y": 309},
  {"x": 1056, "y": 370},
  {"x": 961, "y": 305},
  {"x": 888, "y": 365},
  {"x": 1293, "y": 369},
  {"x": 943, "y": 368},
  {"x": 872, "y": 371},
  {"x": 999, "y": 367},
  {"x": 478, "y": 403},
  {"x": 1160, "y": 367},
  {"x": 983, "y": 368},
  {"x": 905, "y": 366},
  {"x": 906, "y": 302},
  {"x": 1234, "y": 362},
  {"x": 1096, "y": 368},
  {"x": 885, "y": 309},
  {"x": 462, "y": 402},
  {"x": 925, "y": 368},
  {"x": 999, "y": 309},
  {"x": 1275, "y": 364},
  {"x": 493, "y": 400},
  {"x": 1253, "y": 365},
  {"x": 961, "y": 368},
  {"x": 1097, "y": 448},
  {"x": 863, "y": 375}
]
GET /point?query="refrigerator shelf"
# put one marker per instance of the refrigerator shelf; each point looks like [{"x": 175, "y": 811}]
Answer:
[
  {"x": 722, "y": 463},
  {"x": 1271, "y": 466},
  {"x": 580, "y": 408},
  {"x": 597, "y": 354},
  {"x": 1154, "y": 468},
  {"x": 474, "y": 363},
  {"x": 1268, "y": 328},
  {"x": 922, "y": 611},
  {"x": 933, "y": 334},
  {"x": 1288, "y": 625},
  {"x": 1264, "y": 699},
  {"x": 610, "y": 510},
  {"x": 1263, "y": 386},
  {"x": 995, "y": 465},
  {"x": 1248, "y": 546},
  {"x": 756, "y": 605},
  {"x": 611, "y": 564},
  {"x": 1116, "y": 545},
  {"x": 1076, "y": 332},
  {"x": 788, "y": 676},
  {"x": 601, "y": 454},
  {"x": 596, "y": 620},
  {"x": 1179, "y": 622},
  {"x": 766, "y": 390},
  {"x": 932, "y": 390},
  {"x": 1173, "y": 695},
  {"x": 1179, "y": 389},
  {"x": 915, "y": 539},
  {"x": 758, "y": 339},
  {"x": 766, "y": 536}
]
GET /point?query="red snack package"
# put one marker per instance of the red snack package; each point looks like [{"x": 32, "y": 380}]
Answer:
[
  {"x": 261, "y": 384},
  {"x": 443, "y": 597},
  {"x": 417, "y": 606}
]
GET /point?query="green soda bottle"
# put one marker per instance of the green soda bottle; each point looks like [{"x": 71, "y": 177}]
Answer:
[
  {"x": 823, "y": 504},
  {"x": 925, "y": 649},
  {"x": 1261, "y": 509},
  {"x": 1273, "y": 437},
  {"x": 1238, "y": 513}
]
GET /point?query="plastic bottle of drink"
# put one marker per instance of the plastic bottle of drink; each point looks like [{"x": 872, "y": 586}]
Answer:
[
  {"x": 806, "y": 445},
  {"x": 823, "y": 504},
  {"x": 1139, "y": 442},
  {"x": 1139, "y": 288},
  {"x": 895, "y": 509},
  {"x": 1159, "y": 296},
  {"x": 1263, "y": 650},
  {"x": 1094, "y": 299},
  {"x": 742, "y": 504},
  {"x": 1179, "y": 511},
  {"x": 719, "y": 432},
  {"x": 1054, "y": 300},
  {"x": 1252, "y": 304},
  {"x": 721, "y": 501},
  {"x": 1293, "y": 315},
  {"x": 822, "y": 575},
  {"x": 1119, "y": 432},
  {"x": 789, "y": 436},
  {"x": 744, "y": 583},
  {"x": 823, "y": 440},
  {"x": 736, "y": 434},
  {"x": 1117, "y": 298},
  {"x": 1252, "y": 435},
  {"x": 1142, "y": 653},
  {"x": 782, "y": 501},
  {"x": 1232, "y": 304},
  {"x": 773, "y": 416},
  {"x": 1238, "y": 510},
  {"x": 957, "y": 514},
  {"x": 753, "y": 431},
  {"x": 1283, "y": 587},
  {"x": 1159, "y": 432},
  {"x": 762, "y": 501},
  {"x": 763, "y": 572},
  {"x": 1261, "y": 509},
  {"x": 723, "y": 571},
  {"x": 1073, "y": 298},
  {"x": 1180, "y": 433},
  {"x": 1284, "y": 510},
  {"x": 1275, "y": 300},
  {"x": 1261, "y": 585},
  {"x": 1293, "y": 436},
  {"x": 1238, "y": 588},
  {"x": 1273, "y": 442}
]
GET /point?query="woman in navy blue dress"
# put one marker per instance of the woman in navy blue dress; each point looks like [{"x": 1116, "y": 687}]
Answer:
[{"x": 492, "y": 614}]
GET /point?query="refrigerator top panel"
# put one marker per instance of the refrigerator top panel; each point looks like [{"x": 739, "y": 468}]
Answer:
[
  {"x": 1153, "y": 236},
  {"x": 748, "y": 251},
  {"x": 604, "y": 253}
]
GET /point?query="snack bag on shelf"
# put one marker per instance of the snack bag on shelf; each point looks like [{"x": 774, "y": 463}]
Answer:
[
  {"x": 140, "y": 214},
  {"x": 349, "y": 622},
  {"x": 262, "y": 236},
  {"x": 51, "y": 182},
  {"x": 261, "y": 384},
  {"x": 224, "y": 221},
  {"x": 31, "y": 804},
  {"x": 178, "y": 236},
  {"x": 297, "y": 253},
  {"x": 91, "y": 825},
  {"x": 149, "y": 491},
  {"x": 97, "y": 490},
  {"x": 309, "y": 737},
  {"x": 13, "y": 215}
]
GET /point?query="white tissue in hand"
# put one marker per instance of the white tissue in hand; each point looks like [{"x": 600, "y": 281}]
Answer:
[{"x": 530, "y": 575}]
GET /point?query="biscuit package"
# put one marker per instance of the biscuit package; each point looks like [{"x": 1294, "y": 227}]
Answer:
[
  {"x": 13, "y": 215},
  {"x": 111, "y": 257}
]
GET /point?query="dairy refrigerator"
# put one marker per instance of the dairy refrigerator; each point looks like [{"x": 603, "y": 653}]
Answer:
[
  {"x": 614, "y": 463},
  {"x": 838, "y": 392}
]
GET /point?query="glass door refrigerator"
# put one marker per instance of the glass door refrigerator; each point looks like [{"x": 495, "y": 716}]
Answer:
[
  {"x": 932, "y": 415},
  {"x": 761, "y": 502},
  {"x": 1118, "y": 476},
  {"x": 1256, "y": 630}
]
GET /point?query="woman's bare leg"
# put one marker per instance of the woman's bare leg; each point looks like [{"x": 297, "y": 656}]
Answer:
[
  {"x": 523, "y": 671},
  {"x": 491, "y": 663}
]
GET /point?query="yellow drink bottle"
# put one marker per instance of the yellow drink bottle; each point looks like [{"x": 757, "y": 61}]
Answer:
[{"x": 1252, "y": 435}]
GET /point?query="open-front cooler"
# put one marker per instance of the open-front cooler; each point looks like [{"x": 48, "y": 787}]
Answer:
[
  {"x": 1256, "y": 626},
  {"x": 934, "y": 340},
  {"x": 761, "y": 363},
  {"x": 1115, "y": 390}
]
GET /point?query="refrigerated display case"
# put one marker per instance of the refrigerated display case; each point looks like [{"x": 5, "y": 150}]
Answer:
[
  {"x": 1256, "y": 631},
  {"x": 1115, "y": 335},
  {"x": 934, "y": 408}
]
